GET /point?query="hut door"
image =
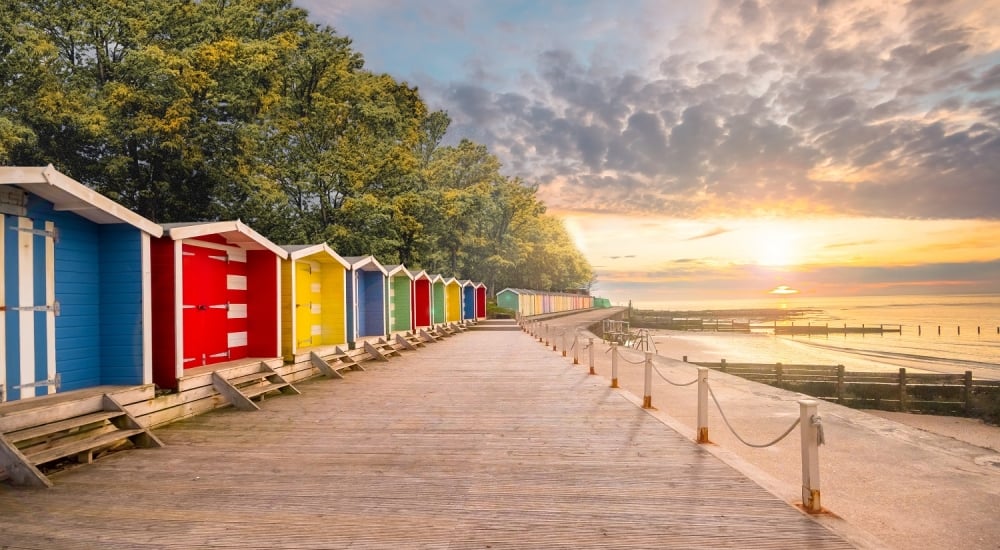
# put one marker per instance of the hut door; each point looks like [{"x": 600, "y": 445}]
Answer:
[
  {"x": 28, "y": 308},
  {"x": 206, "y": 338},
  {"x": 307, "y": 304}
]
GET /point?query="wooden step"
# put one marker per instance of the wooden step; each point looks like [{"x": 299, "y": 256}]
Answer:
[
  {"x": 252, "y": 377},
  {"x": 82, "y": 445},
  {"x": 254, "y": 391},
  {"x": 61, "y": 425}
]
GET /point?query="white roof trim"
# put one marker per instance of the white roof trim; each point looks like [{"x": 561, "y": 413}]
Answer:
[
  {"x": 299, "y": 253},
  {"x": 69, "y": 195},
  {"x": 228, "y": 229}
]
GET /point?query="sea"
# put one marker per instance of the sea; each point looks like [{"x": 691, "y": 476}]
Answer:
[{"x": 938, "y": 333}]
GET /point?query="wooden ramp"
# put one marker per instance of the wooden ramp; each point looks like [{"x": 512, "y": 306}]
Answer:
[{"x": 484, "y": 441}]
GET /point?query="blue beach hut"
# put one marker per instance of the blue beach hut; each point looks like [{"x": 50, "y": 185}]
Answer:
[
  {"x": 468, "y": 300},
  {"x": 366, "y": 291},
  {"x": 74, "y": 289}
]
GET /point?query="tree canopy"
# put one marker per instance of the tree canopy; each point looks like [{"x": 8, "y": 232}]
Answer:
[{"x": 187, "y": 110}]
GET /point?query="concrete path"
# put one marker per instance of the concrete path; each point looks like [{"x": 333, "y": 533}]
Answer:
[{"x": 893, "y": 485}]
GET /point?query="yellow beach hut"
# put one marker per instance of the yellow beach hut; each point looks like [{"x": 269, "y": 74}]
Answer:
[
  {"x": 313, "y": 300},
  {"x": 453, "y": 300}
]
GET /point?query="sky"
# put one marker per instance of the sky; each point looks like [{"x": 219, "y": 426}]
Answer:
[{"x": 726, "y": 148}]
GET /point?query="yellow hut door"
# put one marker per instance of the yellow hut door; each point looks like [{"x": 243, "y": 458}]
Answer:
[{"x": 308, "y": 330}]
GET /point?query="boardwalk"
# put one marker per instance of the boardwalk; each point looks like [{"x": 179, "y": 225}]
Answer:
[{"x": 484, "y": 440}]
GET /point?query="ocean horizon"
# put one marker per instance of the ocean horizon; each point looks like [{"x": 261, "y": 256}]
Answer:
[{"x": 940, "y": 333}]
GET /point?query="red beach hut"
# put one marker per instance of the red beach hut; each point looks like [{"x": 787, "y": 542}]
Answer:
[
  {"x": 480, "y": 301},
  {"x": 216, "y": 297},
  {"x": 422, "y": 302}
]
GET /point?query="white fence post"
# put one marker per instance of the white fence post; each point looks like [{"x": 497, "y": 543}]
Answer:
[
  {"x": 703, "y": 405},
  {"x": 810, "y": 455},
  {"x": 590, "y": 347},
  {"x": 614, "y": 364},
  {"x": 647, "y": 395}
]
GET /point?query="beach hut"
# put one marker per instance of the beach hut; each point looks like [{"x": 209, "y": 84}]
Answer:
[
  {"x": 75, "y": 300},
  {"x": 453, "y": 300},
  {"x": 468, "y": 300},
  {"x": 422, "y": 298},
  {"x": 216, "y": 297},
  {"x": 313, "y": 299},
  {"x": 366, "y": 291},
  {"x": 509, "y": 298},
  {"x": 438, "y": 306},
  {"x": 480, "y": 301},
  {"x": 400, "y": 285}
]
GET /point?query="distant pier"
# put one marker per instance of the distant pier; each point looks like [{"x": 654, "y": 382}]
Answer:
[{"x": 825, "y": 329}]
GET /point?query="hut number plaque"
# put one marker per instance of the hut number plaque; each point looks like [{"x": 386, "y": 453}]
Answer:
[{"x": 13, "y": 201}]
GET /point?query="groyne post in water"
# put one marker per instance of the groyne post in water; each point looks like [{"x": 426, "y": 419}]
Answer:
[{"x": 703, "y": 405}]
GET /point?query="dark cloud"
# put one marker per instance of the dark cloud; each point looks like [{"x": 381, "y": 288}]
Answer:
[{"x": 827, "y": 105}]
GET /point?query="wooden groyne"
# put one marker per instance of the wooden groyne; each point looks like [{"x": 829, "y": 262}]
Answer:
[
  {"x": 903, "y": 391},
  {"x": 825, "y": 329}
]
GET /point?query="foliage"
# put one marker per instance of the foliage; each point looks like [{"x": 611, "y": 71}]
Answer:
[{"x": 191, "y": 110}]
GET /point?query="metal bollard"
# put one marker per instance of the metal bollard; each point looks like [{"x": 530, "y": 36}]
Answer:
[
  {"x": 703, "y": 405},
  {"x": 590, "y": 347},
  {"x": 576, "y": 349},
  {"x": 810, "y": 455},
  {"x": 647, "y": 394},
  {"x": 614, "y": 364}
]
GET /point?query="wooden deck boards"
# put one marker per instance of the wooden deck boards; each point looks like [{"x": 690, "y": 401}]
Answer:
[{"x": 487, "y": 440}]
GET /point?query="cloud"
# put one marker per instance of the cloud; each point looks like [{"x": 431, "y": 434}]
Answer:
[{"x": 710, "y": 233}]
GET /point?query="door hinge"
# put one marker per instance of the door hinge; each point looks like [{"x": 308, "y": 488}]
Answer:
[
  {"x": 53, "y": 308},
  {"x": 54, "y": 234},
  {"x": 54, "y": 381}
]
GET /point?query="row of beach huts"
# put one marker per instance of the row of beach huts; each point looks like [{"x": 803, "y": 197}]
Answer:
[{"x": 117, "y": 324}]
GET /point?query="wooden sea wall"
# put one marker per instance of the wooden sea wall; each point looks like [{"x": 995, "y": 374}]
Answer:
[{"x": 949, "y": 394}]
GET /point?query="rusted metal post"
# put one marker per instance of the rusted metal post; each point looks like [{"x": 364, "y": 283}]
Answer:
[
  {"x": 614, "y": 364},
  {"x": 555, "y": 343},
  {"x": 576, "y": 349},
  {"x": 647, "y": 394},
  {"x": 703, "y": 405},
  {"x": 590, "y": 347},
  {"x": 546, "y": 335},
  {"x": 810, "y": 455}
]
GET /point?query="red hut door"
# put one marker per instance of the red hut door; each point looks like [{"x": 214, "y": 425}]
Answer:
[{"x": 205, "y": 307}]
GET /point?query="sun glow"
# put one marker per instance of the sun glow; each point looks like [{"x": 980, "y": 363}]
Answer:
[{"x": 775, "y": 247}]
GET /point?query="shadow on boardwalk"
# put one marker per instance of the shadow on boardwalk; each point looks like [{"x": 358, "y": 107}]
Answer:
[{"x": 485, "y": 440}]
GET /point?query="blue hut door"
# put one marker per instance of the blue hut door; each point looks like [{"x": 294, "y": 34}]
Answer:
[{"x": 28, "y": 308}]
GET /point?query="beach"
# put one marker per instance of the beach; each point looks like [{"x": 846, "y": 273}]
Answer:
[{"x": 888, "y": 480}]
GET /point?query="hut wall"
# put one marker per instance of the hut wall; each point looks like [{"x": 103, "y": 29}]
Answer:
[
  {"x": 262, "y": 308},
  {"x": 439, "y": 313},
  {"x": 400, "y": 304},
  {"x": 333, "y": 310},
  {"x": 468, "y": 302},
  {"x": 371, "y": 295}
]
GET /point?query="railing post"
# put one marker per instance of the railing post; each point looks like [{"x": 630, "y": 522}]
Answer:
[
  {"x": 810, "y": 456},
  {"x": 703, "y": 405},
  {"x": 614, "y": 364},
  {"x": 576, "y": 349},
  {"x": 968, "y": 391},
  {"x": 590, "y": 347},
  {"x": 647, "y": 394},
  {"x": 555, "y": 341},
  {"x": 546, "y": 335}
]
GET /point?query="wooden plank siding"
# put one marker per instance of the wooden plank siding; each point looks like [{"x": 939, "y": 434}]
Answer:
[{"x": 506, "y": 446}]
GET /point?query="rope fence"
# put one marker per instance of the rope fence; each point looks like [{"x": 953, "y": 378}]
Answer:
[{"x": 809, "y": 421}]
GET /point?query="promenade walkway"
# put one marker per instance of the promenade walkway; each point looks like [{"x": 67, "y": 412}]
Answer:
[{"x": 484, "y": 440}]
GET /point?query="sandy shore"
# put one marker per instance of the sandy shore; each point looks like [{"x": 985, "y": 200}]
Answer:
[{"x": 889, "y": 480}]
